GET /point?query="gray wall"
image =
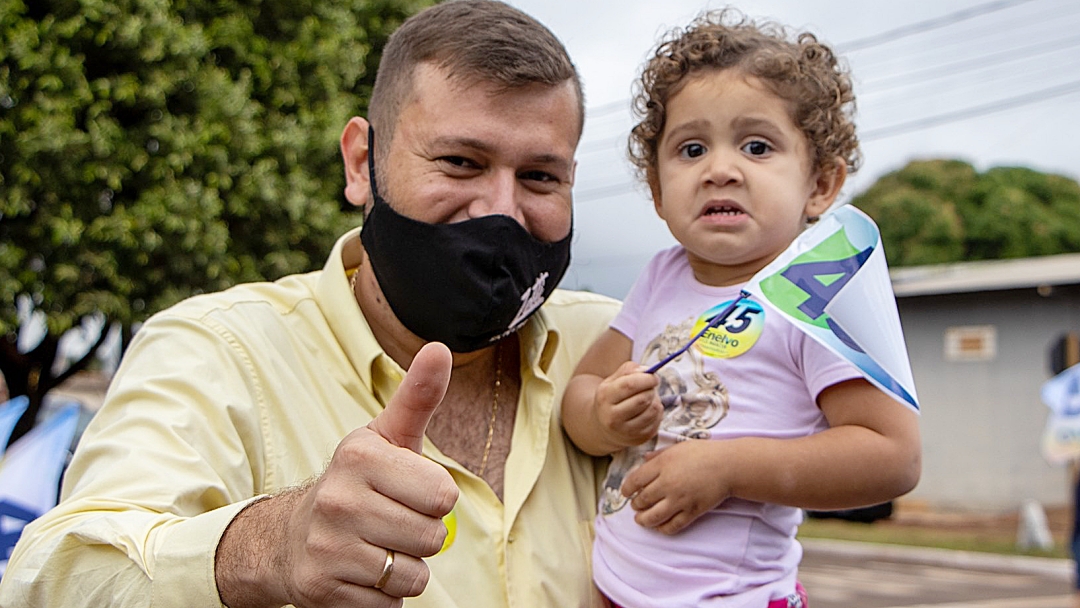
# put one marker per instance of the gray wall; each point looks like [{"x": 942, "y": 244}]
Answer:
[{"x": 982, "y": 421}]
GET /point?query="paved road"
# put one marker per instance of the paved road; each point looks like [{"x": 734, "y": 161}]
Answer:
[{"x": 836, "y": 577}]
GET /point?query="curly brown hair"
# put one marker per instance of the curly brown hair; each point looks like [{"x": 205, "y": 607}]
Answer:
[{"x": 800, "y": 70}]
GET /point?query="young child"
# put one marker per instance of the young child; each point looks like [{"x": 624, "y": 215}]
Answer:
[{"x": 745, "y": 136}]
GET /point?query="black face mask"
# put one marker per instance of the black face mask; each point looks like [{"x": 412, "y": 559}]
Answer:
[{"x": 466, "y": 284}]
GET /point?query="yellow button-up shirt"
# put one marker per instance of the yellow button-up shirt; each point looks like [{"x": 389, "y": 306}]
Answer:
[{"x": 234, "y": 395}]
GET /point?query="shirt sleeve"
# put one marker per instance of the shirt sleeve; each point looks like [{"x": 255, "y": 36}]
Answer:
[
  {"x": 162, "y": 469},
  {"x": 822, "y": 367},
  {"x": 637, "y": 300}
]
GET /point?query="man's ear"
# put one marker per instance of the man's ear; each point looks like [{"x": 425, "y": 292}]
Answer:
[
  {"x": 827, "y": 187},
  {"x": 354, "y": 152}
]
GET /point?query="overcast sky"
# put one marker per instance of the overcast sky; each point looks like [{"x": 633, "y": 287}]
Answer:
[{"x": 990, "y": 82}]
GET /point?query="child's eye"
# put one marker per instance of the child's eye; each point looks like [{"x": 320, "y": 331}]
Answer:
[
  {"x": 692, "y": 150},
  {"x": 756, "y": 148}
]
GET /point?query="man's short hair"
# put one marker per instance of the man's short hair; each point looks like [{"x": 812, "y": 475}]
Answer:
[{"x": 472, "y": 41}]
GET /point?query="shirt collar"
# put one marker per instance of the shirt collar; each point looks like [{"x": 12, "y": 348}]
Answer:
[
  {"x": 540, "y": 340},
  {"x": 350, "y": 328}
]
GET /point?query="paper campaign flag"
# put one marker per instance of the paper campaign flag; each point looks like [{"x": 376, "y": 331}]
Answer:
[
  {"x": 1062, "y": 393},
  {"x": 30, "y": 475},
  {"x": 1061, "y": 439},
  {"x": 10, "y": 412},
  {"x": 833, "y": 283}
]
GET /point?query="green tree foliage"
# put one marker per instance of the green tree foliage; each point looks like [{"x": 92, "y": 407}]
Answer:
[
  {"x": 155, "y": 149},
  {"x": 938, "y": 211}
]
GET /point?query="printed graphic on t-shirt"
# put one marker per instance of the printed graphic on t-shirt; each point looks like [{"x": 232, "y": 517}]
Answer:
[{"x": 695, "y": 400}]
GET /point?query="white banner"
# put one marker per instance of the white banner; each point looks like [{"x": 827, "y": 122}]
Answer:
[
  {"x": 30, "y": 475},
  {"x": 10, "y": 412}
]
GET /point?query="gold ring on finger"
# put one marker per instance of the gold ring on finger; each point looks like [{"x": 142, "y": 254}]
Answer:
[{"x": 387, "y": 570}]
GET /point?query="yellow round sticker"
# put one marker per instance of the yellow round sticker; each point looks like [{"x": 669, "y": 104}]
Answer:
[
  {"x": 735, "y": 335},
  {"x": 450, "y": 520}
]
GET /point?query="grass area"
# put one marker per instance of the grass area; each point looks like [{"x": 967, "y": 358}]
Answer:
[{"x": 985, "y": 537}]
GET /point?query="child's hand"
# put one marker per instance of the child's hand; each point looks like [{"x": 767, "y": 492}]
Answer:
[
  {"x": 675, "y": 486},
  {"x": 627, "y": 405}
]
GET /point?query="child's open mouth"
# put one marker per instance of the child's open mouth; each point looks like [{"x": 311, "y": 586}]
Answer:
[{"x": 727, "y": 210}]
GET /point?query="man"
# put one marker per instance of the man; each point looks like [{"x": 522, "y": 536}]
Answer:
[{"x": 189, "y": 487}]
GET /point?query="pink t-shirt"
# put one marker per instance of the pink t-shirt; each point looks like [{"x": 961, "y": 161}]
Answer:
[{"x": 755, "y": 375}]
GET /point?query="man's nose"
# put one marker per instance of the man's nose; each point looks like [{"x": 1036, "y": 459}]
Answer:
[{"x": 501, "y": 194}]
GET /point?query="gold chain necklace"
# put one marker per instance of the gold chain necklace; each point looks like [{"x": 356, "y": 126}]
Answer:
[
  {"x": 494, "y": 393},
  {"x": 494, "y": 408}
]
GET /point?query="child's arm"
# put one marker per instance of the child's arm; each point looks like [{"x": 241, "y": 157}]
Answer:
[
  {"x": 609, "y": 403},
  {"x": 870, "y": 454}
]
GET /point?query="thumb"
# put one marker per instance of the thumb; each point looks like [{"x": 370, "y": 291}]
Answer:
[{"x": 406, "y": 417}]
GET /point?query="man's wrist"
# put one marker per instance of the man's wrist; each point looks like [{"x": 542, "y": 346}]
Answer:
[{"x": 250, "y": 561}]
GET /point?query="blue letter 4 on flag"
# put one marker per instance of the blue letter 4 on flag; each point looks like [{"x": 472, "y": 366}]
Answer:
[
  {"x": 30, "y": 475},
  {"x": 833, "y": 283}
]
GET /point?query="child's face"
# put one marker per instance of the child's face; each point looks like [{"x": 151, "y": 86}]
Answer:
[{"x": 734, "y": 180}]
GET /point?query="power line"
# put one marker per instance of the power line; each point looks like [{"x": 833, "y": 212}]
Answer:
[
  {"x": 1002, "y": 105},
  {"x": 875, "y": 40},
  {"x": 597, "y": 145},
  {"x": 936, "y": 96},
  {"x": 955, "y": 68},
  {"x": 598, "y": 193},
  {"x": 928, "y": 25},
  {"x": 972, "y": 112},
  {"x": 949, "y": 70},
  {"x": 609, "y": 107},
  {"x": 1036, "y": 22}
]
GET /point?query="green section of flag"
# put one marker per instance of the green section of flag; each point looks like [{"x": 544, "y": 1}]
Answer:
[
  {"x": 829, "y": 279},
  {"x": 787, "y": 296}
]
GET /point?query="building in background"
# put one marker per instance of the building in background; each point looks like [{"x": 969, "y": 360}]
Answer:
[{"x": 980, "y": 336}]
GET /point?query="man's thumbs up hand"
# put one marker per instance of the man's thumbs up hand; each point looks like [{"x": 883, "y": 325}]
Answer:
[
  {"x": 375, "y": 511},
  {"x": 406, "y": 417}
]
